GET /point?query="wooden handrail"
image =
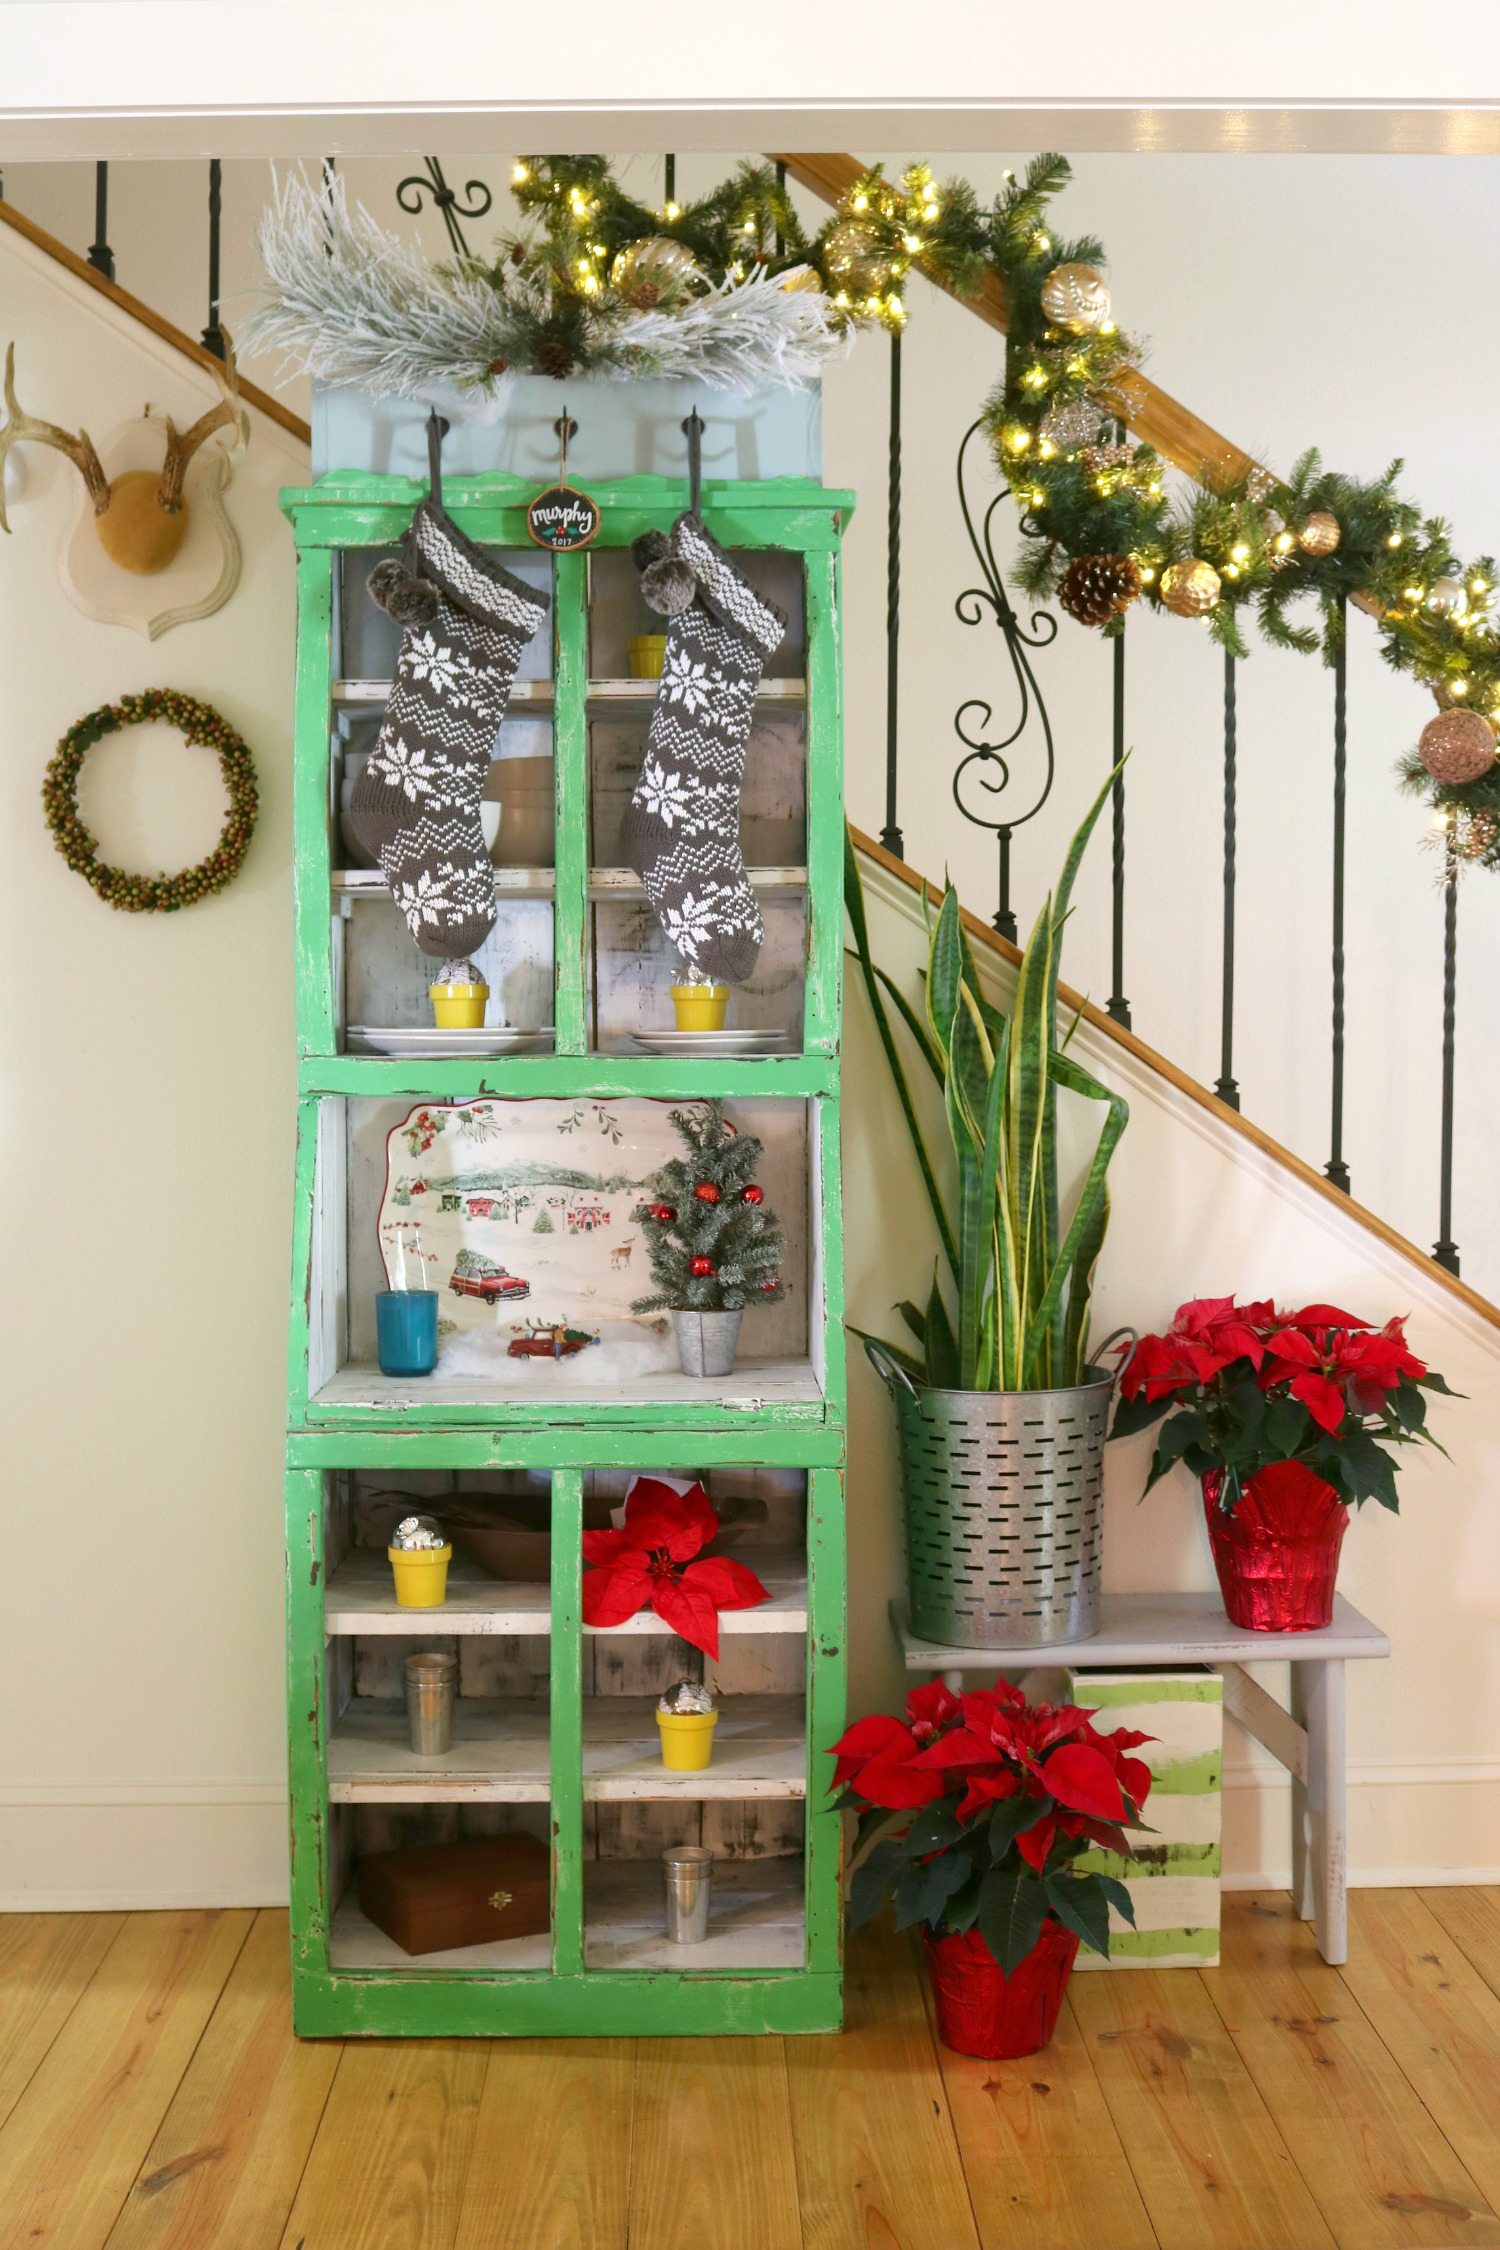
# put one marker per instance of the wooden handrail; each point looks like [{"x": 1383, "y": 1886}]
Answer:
[
  {"x": 1153, "y": 414},
  {"x": 180, "y": 341},
  {"x": 982, "y": 934}
]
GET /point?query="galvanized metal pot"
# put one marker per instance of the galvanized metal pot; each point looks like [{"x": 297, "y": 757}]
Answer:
[
  {"x": 1004, "y": 1495},
  {"x": 707, "y": 1341}
]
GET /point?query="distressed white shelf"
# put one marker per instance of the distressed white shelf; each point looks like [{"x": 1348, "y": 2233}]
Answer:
[
  {"x": 755, "y": 1917},
  {"x": 538, "y": 694},
  {"x": 361, "y": 1599},
  {"x": 756, "y": 1921},
  {"x": 500, "y": 1752},
  {"x": 754, "y": 1385},
  {"x": 1155, "y": 1629},
  {"x": 540, "y": 882},
  {"x": 355, "y": 1943}
]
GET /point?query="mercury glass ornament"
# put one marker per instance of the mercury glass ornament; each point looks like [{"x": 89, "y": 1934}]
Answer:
[
  {"x": 1259, "y": 485},
  {"x": 1457, "y": 746},
  {"x": 1446, "y": 597},
  {"x": 854, "y": 258},
  {"x": 801, "y": 279},
  {"x": 1189, "y": 588},
  {"x": 1075, "y": 297},
  {"x": 1072, "y": 423},
  {"x": 1320, "y": 534},
  {"x": 654, "y": 267}
]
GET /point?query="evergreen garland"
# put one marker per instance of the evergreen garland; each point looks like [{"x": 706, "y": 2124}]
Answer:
[{"x": 714, "y": 1244}]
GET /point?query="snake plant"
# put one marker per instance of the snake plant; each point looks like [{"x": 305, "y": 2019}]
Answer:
[{"x": 1011, "y": 1312}]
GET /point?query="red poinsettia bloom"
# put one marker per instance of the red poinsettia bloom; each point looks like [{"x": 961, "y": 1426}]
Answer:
[
  {"x": 991, "y": 1745},
  {"x": 657, "y": 1559}
]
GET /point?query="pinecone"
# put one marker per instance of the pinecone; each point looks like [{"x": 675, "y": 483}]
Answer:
[
  {"x": 1096, "y": 588},
  {"x": 554, "y": 357}
]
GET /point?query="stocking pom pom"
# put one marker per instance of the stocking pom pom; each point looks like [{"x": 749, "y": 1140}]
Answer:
[
  {"x": 667, "y": 584},
  {"x": 404, "y": 597}
]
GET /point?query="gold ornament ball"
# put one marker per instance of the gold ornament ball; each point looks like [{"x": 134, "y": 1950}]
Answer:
[
  {"x": 1320, "y": 534},
  {"x": 1191, "y": 588},
  {"x": 655, "y": 262},
  {"x": 854, "y": 257},
  {"x": 1457, "y": 746},
  {"x": 1075, "y": 297},
  {"x": 802, "y": 280}
]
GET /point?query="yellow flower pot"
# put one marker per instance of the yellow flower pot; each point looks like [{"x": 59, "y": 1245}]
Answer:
[
  {"x": 458, "y": 1007},
  {"x": 421, "y": 1575},
  {"x": 687, "y": 1739},
  {"x": 700, "y": 1007},
  {"x": 648, "y": 653}
]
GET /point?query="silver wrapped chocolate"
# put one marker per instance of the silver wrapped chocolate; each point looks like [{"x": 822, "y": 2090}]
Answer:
[
  {"x": 418, "y": 1531},
  {"x": 686, "y": 1696}
]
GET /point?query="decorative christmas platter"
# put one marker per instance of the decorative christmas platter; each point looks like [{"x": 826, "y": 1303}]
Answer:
[{"x": 520, "y": 1211}]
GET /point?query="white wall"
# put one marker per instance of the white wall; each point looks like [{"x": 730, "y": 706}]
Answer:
[{"x": 146, "y": 1654}]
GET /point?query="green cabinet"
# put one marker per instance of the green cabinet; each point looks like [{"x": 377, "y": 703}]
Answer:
[{"x": 554, "y": 1732}]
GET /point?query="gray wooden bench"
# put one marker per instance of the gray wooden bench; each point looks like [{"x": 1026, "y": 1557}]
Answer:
[{"x": 1308, "y": 1738}]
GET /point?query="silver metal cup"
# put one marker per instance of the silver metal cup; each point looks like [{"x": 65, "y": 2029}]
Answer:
[
  {"x": 688, "y": 1872},
  {"x": 431, "y": 1684}
]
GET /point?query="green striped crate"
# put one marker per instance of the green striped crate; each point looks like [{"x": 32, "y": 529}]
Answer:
[{"x": 1173, "y": 1878}]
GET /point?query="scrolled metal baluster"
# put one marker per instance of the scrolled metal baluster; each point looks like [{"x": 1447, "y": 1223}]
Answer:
[
  {"x": 101, "y": 257},
  {"x": 1445, "y": 1249},
  {"x": 891, "y": 835},
  {"x": 1117, "y": 1006},
  {"x": 974, "y": 718},
  {"x": 1226, "y": 1086},
  {"x": 1336, "y": 1169},
  {"x": 213, "y": 334},
  {"x": 410, "y": 191}
]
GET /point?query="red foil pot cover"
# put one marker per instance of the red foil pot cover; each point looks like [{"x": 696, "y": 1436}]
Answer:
[
  {"x": 981, "y": 2010},
  {"x": 1277, "y": 1552}
]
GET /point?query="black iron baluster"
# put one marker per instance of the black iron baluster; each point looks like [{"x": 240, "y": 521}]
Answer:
[
  {"x": 970, "y": 608},
  {"x": 213, "y": 334},
  {"x": 1336, "y": 1169},
  {"x": 1445, "y": 1249},
  {"x": 891, "y": 835},
  {"x": 781, "y": 186},
  {"x": 1225, "y": 1085},
  {"x": 1117, "y": 1006},
  {"x": 410, "y": 191},
  {"x": 669, "y": 178},
  {"x": 101, "y": 257}
]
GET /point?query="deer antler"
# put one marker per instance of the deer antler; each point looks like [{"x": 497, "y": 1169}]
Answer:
[
  {"x": 18, "y": 427},
  {"x": 182, "y": 445}
]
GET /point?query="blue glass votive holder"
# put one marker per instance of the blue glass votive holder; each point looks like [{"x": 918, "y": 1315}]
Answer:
[{"x": 406, "y": 1323}]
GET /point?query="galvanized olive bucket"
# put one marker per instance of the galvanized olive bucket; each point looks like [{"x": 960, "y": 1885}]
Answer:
[{"x": 1004, "y": 1495}]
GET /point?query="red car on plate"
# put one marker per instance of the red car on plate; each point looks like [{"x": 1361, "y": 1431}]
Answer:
[{"x": 490, "y": 1286}]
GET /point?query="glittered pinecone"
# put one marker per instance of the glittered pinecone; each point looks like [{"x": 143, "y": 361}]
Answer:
[
  {"x": 1096, "y": 588},
  {"x": 554, "y": 357}
]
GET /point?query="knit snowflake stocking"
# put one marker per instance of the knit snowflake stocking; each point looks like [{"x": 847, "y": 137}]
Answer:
[
  {"x": 415, "y": 807},
  {"x": 681, "y": 831}
]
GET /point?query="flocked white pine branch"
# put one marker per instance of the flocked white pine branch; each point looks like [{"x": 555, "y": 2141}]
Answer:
[{"x": 349, "y": 302}]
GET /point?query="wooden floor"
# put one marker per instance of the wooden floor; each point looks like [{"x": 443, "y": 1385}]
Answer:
[{"x": 151, "y": 2095}]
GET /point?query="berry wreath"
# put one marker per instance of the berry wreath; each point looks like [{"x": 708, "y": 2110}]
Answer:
[{"x": 205, "y": 729}]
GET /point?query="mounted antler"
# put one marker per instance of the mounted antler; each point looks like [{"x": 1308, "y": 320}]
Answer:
[
  {"x": 140, "y": 514},
  {"x": 182, "y": 445},
  {"x": 19, "y": 426}
]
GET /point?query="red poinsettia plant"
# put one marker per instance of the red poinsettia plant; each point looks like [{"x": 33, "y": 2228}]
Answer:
[
  {"x": 980, "y": 1805},
  {"x": 1239, "y": 1387},
  {"x": 657, "y": 1558}
]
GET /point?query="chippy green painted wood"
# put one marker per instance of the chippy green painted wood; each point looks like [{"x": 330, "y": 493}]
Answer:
[
  {"x": 599, "y": 2003},
  {"x": 799, "y": 1425},
  {"x": 664, "y": 1078},
  {"x": 564, "y": 1445}
]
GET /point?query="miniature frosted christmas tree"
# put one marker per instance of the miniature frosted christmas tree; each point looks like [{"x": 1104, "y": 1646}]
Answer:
[{"x": 714, "y": 1244}]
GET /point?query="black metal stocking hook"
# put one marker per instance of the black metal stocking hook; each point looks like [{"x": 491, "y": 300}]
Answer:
[
  {"x": 437, "y": 430},
  {"x": 693, "y": 429}
]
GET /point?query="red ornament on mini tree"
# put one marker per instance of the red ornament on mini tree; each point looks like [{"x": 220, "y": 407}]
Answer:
[{"x": 719, "y": 1246}]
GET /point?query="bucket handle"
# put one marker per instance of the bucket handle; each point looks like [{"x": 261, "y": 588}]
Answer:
[
  {"x": 1113, "y": 1337},
  {"x": 886, "y": 1368}
]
